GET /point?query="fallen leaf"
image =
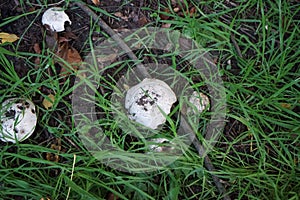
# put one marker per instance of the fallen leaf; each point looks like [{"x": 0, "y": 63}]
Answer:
[
  {"x": 48, "y": 102},
  {"x": 120, "y": 15},
  {"x": 96, "y": 2},
  {"x": 37, "y": 62},
  {"x": 165, "y": 16},
  {"x": 56, "y": 145},
  {"x": 69, "y": 55},
  {"x": 286, "y": 105},
  {"x": 6, "y": 37},
  {"x": 192, "y": 11},
  {"x": 73, "y": 58},
  {"x": 143, "y": 21},
  {"x": 112, "y": 196},
  {"x": 37, "y": 48}
]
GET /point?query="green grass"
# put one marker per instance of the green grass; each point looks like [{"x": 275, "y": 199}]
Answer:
[{"x": 257, "y": 157}]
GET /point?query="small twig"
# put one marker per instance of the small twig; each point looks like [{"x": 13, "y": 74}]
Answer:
[
  {"x": 184, "y": 126},
  {"x": 140, "y": 68},
  {"x": 72, "y": 143},
  {"x": 235, "y": 44},
  {"x": 73, "y": 168}
]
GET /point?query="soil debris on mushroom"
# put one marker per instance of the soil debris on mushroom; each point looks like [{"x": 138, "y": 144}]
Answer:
[
  {"x": 18, "y": 120},
  {"x": 149, "y": 102}
]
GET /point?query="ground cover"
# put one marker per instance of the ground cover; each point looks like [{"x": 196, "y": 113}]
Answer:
[{"x": 254, "y": 46}]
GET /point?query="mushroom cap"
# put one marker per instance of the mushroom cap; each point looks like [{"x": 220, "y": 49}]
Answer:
[
  {"x": 18, "y": 120},
  {"x": 55, "y": 18},
  {"x": 200, "y": 102},
  {"x": 149, "y": 102}
]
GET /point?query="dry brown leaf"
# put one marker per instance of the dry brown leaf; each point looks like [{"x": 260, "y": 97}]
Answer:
[
  {"x": 164, "y": 16},
  {"x": 96, "y": 2},
  {"x": 6, "y": 37},
  {"x": 286, "y": 105},
  {"x": 68, "y": 57},
  {"x": 48, "y": 102},
  {"x": 37, "y": 48},
  {"x": 121, "y": 16},
  {"x": 192, "y": 11},
  {"x": 56, "y": 145},
  {"x": 112, "y": 196},
  {"x": 143, "y": 21},
  {"x": 73, "y": 58}
]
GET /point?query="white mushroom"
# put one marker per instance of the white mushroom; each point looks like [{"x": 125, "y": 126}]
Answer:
[
  {"x": 149, "y": 102},
  {"x": 199, "y": 102},
  {"x": 18, "y": 120},
  {"x": 55, "y": 18}
]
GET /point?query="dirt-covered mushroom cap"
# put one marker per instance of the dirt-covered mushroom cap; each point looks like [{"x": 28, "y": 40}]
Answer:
[
  {"x": 18, "y": 120},
  {"x": 55, "y": 18},
  {"x": 149, "y": 102}
]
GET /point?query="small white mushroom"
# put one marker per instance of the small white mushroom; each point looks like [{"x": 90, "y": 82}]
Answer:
[
  {"x": 199, "y": 102},
  {"x": 55, "y": 18},
  {"x": 149, "y": 102},
  {"x": 18, "y": 120}
]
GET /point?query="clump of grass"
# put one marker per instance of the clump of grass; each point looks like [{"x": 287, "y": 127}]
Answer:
[{"x": 257, "y": 156}]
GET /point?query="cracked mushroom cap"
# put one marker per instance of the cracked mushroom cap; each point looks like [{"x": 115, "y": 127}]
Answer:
[
  {"x": 18, "y": 120},
  {"x": 55, "y": 18},
  {"x": 149, "y": 102}
]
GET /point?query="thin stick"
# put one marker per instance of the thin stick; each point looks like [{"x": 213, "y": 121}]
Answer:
[
  {"x": 140, "y": 68},
  {"x": 73, "y": 167},
  {"x": 184, "y": 126},
  {"x": 235, "y": 44}
]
